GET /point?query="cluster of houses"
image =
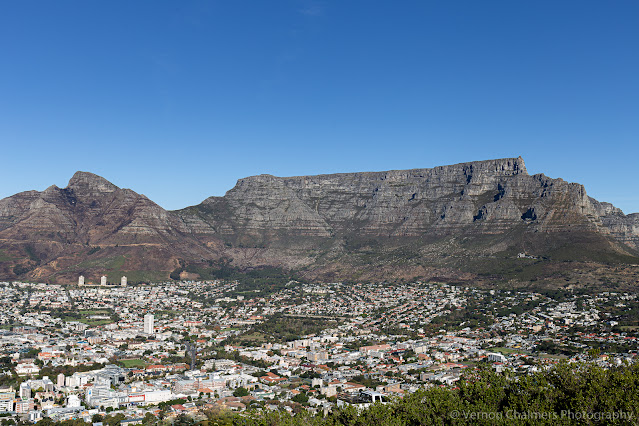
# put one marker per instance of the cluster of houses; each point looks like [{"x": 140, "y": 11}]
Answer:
[{"x": 173, "y": 348}]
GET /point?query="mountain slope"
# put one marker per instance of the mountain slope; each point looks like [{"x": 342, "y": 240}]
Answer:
[
  {"x": 446, "y": 221},
  {"x": 89, "y": 227},
  {"x": 452, "y": 222}
]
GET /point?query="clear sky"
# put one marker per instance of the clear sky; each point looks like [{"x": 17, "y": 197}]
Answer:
[{"x": 179, "y": 99}]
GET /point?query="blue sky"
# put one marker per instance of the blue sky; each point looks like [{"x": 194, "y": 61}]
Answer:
[{"x": 179, "y": 99}]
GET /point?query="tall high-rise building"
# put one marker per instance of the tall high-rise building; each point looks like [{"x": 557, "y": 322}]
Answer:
[
  {"x": 148, "y": 324},
  {"x": 81, "y": 280},
  {"x": 103, "y": 280},
  {"x": 60, "y": 380},
  {"x": 123, "y": 281},
  {"x": 25, "y": 390}
]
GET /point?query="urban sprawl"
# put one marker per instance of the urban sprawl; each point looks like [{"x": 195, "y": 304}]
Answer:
[{"x": 182, "y": 348}]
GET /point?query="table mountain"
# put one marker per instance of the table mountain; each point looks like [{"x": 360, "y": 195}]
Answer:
[{"x": 452, "y": 222}]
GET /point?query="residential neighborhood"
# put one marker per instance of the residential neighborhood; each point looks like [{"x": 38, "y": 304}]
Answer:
[{"x": 184, "y": 348}]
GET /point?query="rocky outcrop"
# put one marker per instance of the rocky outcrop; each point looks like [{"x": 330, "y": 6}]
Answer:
[{"x": 621, "y": 227}]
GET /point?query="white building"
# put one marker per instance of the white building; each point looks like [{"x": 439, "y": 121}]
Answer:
[
  {"x": 81, "y": 280},
  {"x": 73, "y": 401},
  {"x": 25, "y": 390},
  {"x": 148, "y": 324},
  {"x": 34, "y": 416},
  {"x": 78, "y": 379},
  {"x": 22, "y": 369},
  {"x": 61, "y": 379},
  {"x": 155, "y": 396},
  {"x": 123, "y": 281},
  {"x": 496, "y": 357},
  {"x": 103, "y": 280},
  {"x": 6, "y": 401}
]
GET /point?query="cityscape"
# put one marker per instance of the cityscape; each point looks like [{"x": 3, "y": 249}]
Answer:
[
  {"x": 187, "y": 348},
  {"x": 319, "y": 213}
]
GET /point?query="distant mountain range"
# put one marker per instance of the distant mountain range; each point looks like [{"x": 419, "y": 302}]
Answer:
[{"x": 461, "y": 223}]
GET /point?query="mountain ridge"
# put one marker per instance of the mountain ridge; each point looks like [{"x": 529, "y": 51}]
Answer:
[{"x": 325, "y": 226}]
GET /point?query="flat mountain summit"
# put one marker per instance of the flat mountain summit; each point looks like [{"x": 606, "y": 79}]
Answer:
[{"x": 485, "y": 221}]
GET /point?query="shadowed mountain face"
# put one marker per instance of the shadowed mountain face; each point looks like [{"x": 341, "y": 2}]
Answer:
[{"x": 373, "y": 225}]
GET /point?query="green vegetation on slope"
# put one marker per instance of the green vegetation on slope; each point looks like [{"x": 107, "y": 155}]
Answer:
[
  {"x": 4, "y": 257},
  {"x": 280, "y": 328},
  {"x": 564, "y": 395}
]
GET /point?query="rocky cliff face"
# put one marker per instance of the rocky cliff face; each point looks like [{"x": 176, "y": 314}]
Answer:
[
  {"x": 404, "y": 223},
  {"x": 623, "y": 228},
  {"x": 327, "y": 225},
  {"x": 484, "y": 197}
]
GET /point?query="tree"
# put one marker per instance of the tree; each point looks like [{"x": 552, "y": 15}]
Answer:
[
  {"x": 114, "y": 420},
  {"x": 240, "y": 392},
  {"x": 300, "y": 398},
  {"x": 220, "y": 417},
  {"x": 594, "y": 353},
  {"x": 149, "y": 419},
  {"x": 183, "y": 420}
]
